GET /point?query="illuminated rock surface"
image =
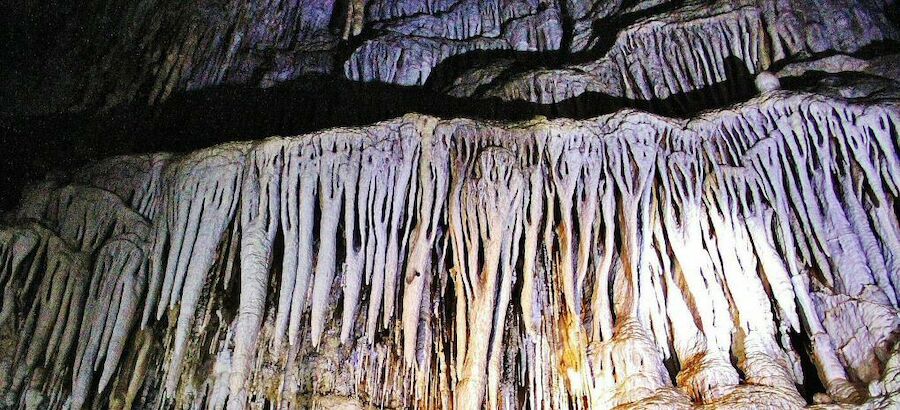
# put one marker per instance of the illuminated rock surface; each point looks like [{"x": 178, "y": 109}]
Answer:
[
  {"x": 628, "y": 259},
  {"x": 746, "y": 256}
]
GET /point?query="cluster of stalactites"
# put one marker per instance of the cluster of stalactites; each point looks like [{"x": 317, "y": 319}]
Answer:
[
  {"x": 702, "y": 50},
  {"x": 601, "y": 262}
]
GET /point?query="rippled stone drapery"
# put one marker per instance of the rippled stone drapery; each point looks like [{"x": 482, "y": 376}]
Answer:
[
  {"x": 121, "y": 52},
  {"x": 624, "y": 260}
]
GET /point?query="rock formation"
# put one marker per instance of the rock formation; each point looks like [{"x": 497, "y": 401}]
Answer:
[
  {"x": 145, "y": 51},
  {"x": 746, "y": 256},
  {"x": 627, "y": 259}
]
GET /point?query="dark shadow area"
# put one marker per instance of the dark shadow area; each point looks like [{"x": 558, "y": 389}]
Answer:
[
  {"x": 192, "y": 120},
  {"x": 812, "y": 384},
  {"x": 814, "y": 79},
  {"x": 451, "y": 68},
  {"x": 188, "y": 121},
  {"x": 738, "y": 87},
  {"x": 868, "y": 52},
  {"x": 602, "y": 38},
  {"x": 516, "y": 63},
  {"x": 604, "y": 31}
]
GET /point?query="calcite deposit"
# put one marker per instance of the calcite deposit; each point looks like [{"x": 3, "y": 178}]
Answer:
[
  {"x": 744, "y": 257},
  {"x": 742, "y": 254},
  {"x": 148, "y": 50}
]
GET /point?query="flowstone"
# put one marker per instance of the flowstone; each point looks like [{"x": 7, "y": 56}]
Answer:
[{"x": 746, "y": 257}]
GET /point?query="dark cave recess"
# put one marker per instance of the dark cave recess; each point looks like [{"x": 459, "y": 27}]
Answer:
[
  {"x": 191, "y": 120},
  {"x": 50, "y": 144},
  {"x": 188, "y": 120}
]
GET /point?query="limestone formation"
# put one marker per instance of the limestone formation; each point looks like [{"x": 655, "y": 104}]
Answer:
[
  {"x": 149, "y": 50},
  {"x": 624, "y": 260},
  {"x": 743, "y": 255},
  {"x": 699, "y": 46}
]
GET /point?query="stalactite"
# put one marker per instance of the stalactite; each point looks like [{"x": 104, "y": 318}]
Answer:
[
  {"x": 627, "y": 260},
  {"x": 259, "y": 207},
  {"x": 702, "y": 340},
  {"x": 486, "y": 221},
  {"x": 433, "y": 184}
]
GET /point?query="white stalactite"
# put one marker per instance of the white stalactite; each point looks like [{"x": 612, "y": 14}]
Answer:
[{"x": 626, "y": 260}]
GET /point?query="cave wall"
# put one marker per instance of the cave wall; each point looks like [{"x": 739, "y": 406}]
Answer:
[
  {"x": 107, "y": 54},
  {"x": 744, "y": 256},
  {"x": 742, "y": 253}
]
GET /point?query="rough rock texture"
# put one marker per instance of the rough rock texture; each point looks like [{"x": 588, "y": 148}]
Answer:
[
  {"x": 112, "y": 53},
  {"x": 887, "y": 66},
  {"x": 701, "y": 46},
  {"x": 147, "y": 50},
  {"x": 746, "y": 257},
  {"x": 415, "y": 45}
]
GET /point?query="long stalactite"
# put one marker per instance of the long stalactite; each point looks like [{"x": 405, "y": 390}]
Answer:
[{"x": 746, "y": 257}]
